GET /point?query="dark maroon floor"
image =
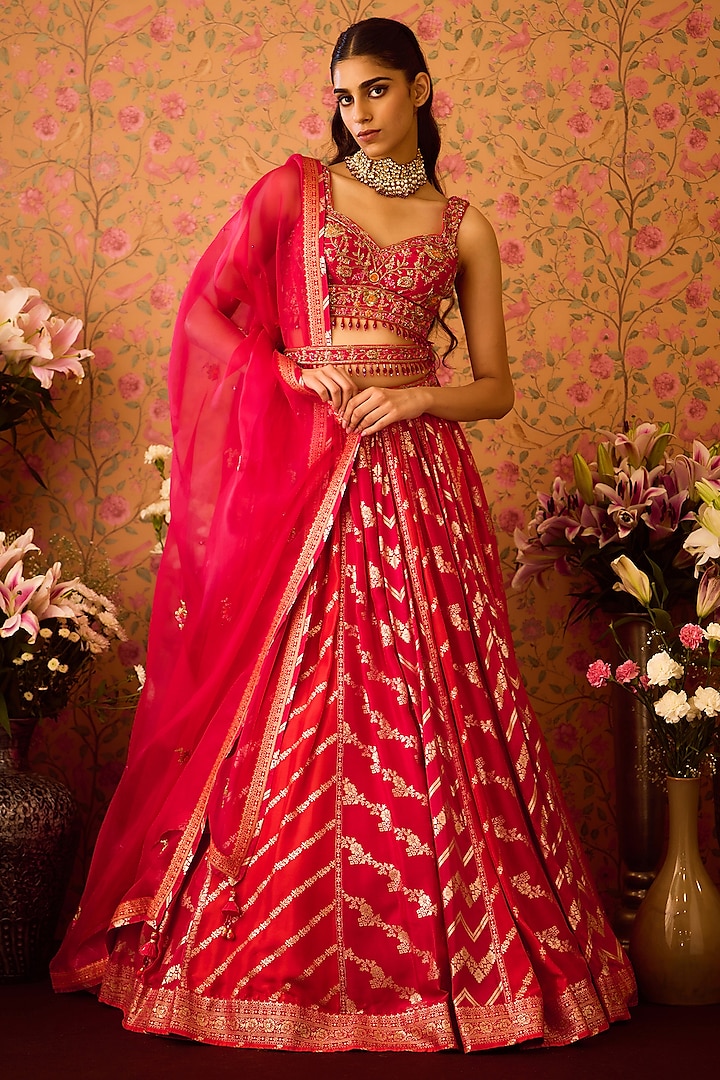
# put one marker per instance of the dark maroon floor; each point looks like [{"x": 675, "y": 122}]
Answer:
[{"x": 72, "y": 1036}]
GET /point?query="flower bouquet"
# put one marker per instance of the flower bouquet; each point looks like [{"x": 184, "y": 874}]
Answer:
[
  {"x": 679, "y": 685},
  {"x": 636, "y": 500},
  {"x": 50, "y": 630},
  {"x": 34, "y": 345}
]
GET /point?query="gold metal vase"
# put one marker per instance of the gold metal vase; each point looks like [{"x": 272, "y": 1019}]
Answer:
[{"x": 675, "y": 938}]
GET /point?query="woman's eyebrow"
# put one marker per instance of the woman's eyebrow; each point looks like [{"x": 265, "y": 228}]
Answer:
[{"x": 364, "y": 85}]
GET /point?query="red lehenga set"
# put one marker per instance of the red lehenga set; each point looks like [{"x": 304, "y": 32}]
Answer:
[{"x": 339, "y": 826}]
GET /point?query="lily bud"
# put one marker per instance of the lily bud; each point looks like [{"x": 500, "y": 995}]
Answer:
[
  {"x": 632, "y": 580},
  {"x": 583, "y": 479},
  {"x": 604, "y": 461},
  {"x": 708, "y": 595},
  {"x": 709, "y": 493}
]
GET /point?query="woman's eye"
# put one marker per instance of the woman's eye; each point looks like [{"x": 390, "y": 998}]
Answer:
[
  {"x": 376, "y": 91},
  {"x": 344, "y": 100}
]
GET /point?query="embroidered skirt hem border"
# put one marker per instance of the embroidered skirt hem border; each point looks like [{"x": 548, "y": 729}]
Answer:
[{"x": 267, "y": 1025}]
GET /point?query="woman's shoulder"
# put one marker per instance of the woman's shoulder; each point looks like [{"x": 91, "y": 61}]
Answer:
[{"x": 475, "y": 229}]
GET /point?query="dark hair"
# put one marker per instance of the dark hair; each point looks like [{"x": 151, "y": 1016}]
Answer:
[{"x": 395, "y": 46}]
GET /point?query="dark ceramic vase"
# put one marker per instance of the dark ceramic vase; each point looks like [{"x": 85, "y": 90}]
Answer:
[{"x": 37, "y": 842}]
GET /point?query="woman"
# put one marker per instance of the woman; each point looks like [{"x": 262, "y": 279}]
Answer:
[{"x": 339, "y": 826}]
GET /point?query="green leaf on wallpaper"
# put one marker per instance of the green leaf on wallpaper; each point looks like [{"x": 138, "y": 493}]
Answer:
[
  {"x": 680, "y": 305},
  {"x": 697, "y": 263},
  {"x": 210, "y": 38},
  {"x": 161, "y": 264},
  {"x": 553, "y": 384},
  {"x": 701, "y": 393},
  {"x": 680, "y": 35}
]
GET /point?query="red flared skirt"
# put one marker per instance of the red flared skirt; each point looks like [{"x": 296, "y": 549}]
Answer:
[{"x": 414, "y": 882}]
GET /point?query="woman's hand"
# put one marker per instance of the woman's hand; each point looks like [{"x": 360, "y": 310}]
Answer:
[
  {"x": 331, "y": 384},
  {"x": 377, "y": 407}
]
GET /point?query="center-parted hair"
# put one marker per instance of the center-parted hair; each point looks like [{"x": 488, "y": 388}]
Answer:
[{"x": 394, "y": 46}]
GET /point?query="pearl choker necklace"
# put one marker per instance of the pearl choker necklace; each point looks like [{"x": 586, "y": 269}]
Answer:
[{"x": 386, "y": 176}]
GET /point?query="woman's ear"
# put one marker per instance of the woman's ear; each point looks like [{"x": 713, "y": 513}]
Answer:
[{"x": 420, "y": 89}]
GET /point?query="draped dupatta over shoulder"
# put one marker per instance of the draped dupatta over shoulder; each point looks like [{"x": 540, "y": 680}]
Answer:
[{"x": 259, "y": 468}]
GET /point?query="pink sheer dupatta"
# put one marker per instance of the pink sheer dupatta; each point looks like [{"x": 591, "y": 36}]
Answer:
[{"x": 259, "y": 467}]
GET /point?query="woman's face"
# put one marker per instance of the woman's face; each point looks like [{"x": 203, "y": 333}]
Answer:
[{"x": 379, "y": 106}]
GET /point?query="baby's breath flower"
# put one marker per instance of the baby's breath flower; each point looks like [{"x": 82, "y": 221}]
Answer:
[
  {"x": 26, "y": 657},
  {"x": 73, "y": 636},
  {"x": 63, "y": 669},
  {"x": 17, "y": 660},
  {"x": 28, "y": 696},
  {"x": 64, "y": 632},
  {"x": 53, "y": 663},
  {"x": 45, "y": 632}
]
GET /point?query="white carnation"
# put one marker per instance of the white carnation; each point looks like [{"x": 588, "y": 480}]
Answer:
[
  {"x": 157, "y": 452},
  {"x": 661, "y": 668},
  {"x": 673, "y": 707},
  {"x": 712, "y": 630},
  {"x": 707, "y": 700}
]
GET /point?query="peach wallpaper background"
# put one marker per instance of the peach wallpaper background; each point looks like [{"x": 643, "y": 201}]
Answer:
[{"x": 587, "y": 131}]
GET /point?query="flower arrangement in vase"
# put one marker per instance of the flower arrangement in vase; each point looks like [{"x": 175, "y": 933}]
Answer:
[
  {"x": 675, "y": 938},
  {"x": 35, "y": 344},
  {"x": 50, "y": 630}
]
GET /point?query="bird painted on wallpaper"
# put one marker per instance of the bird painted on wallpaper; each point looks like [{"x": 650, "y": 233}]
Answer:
[
  {"x": 518, "y": 41},
  {"x": 520, "y": 309}
]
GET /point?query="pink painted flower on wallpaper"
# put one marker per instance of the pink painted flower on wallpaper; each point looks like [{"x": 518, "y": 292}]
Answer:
[
  {"x": 580, "y": 124},
  {"x": 429, "y": 26},
  {"x": 101, "y": 90},
  {"x": 104, "y": 166},
  {"x": 576, "y": 89},
  {"x": 114, "y": 509},
  {"x": 105, "y": 433},
  {"x": 580, "y": 392},
  {"x": 162, "y": 296},
  {"x": 510, "y": 519},
  {"x": 162, "y": 29},
  {"x": 708, "y": 372},
  {"x": 708, "y": 102},
  {"x": 328, "y": 98},
  {"x": 67, "y": 99},
  {"x": 649, "y": 240},
  {"x": 103, "y": 358},
  {"x": 442, "y": 105},
  {"x": 130, "y": 118},
  {"x": 173, "y": 105},
  {"x": 565, "y": 199},
  {"x": 579, "y": 660},
  {"x": 695, "y": 409},
  {"x": 290, "y": 76},
  {"x": 507, "y": 474},
  {"x": 46, "y": 128},
  {"x": 601, "y": 96},
  {"x": 636, "y": 357},
  {"x": 512, "y": 253},
  {"x": 507, "y": 206},
  {"x": 115, "y": 243},
  {"x": 187, "y": 165},
  {"x": 565, "y": 736},
  {"x": 185, "y": 223},
  {"x": 697, "y": 294},
  {"x": 639, "y": 165},
  {"x": 666, "y": 385},
  {"x": 307, "y": 90},
  {"x": 696, "y": 139},
  {"x": 666, "y": 115},
  {"x": 313, "y": 126},
  {"x": 533, "y": 361},
  {"x": 160, "y": 142},
  {"x": 698, "y": 24},
  {"x": 41, "y": 91},
  {"x": 601, "y": 366},
  {"x": 532, "y": 630},
  {"x": 533, "y": 92},
  {"x": 31, "y": 200},
  {"x": 160, "y": 410},
  {"x": 453, "y": 165},
  {"x": 265, "y": 93},
  {"x": 592, "y": 178},
  {"x": 636, "y": 86},
  {"x": 116, "y": 63},
  {"x": 131, "y": 386}
]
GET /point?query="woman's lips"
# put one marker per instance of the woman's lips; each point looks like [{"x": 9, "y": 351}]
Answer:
[{"x": 367, "y": 136}]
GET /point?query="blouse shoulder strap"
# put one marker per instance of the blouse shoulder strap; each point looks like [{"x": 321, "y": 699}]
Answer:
[{"x": 454, "y": 214}]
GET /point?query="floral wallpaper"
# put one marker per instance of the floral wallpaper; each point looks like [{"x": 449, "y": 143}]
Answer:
[{"x": 587, "y": 132}]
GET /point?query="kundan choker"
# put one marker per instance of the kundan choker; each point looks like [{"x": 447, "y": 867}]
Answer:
[{"x": 386, "y": 176}]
